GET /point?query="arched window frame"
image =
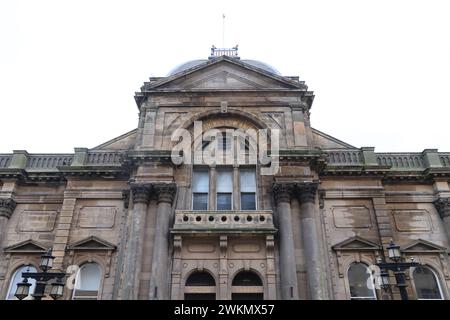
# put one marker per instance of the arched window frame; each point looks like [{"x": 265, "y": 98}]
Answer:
[
  {"x": 200, "y": 289},
  {"x": 372, "y": 279},
  {"x": 436, "y": 277},
  {"x": 22, "y": 267},
  {"x": 100, "y": 285},
  {"x": 248, "y": 289}
]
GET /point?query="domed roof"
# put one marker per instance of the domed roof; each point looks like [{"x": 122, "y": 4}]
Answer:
[
  {"x": 193, "y": 63},
  {"x": 263, "y": 65},
  {"x": 186, "y": 65}
]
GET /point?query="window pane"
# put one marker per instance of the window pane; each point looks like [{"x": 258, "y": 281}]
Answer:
[
  {"x": 18, "y": 278},
  {"x": 248, "y": 201},
  {"x": 248, "y": 180},
  {"x": 200, "y": 201},
  {"x": 225, "y": 140},
  {"x": 87, "y": 282},
  {"x": 223, "y": 201},
  {"x": 224, "y": 181},
  {"x": 360, "y": 282},
  {"x": 200, "y": 182},
  {"x": 426, "y": 284}
]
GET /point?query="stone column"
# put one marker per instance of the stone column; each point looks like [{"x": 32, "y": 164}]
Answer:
[
  {"x": 443, "y": 207},
  {"x": 132, "y": 266},
  {"x": 288, "y": 269},
  {"x": 7, "y": 206},
  {"x": 159, "y": 278},
  {"x": 315, "y": 270}
]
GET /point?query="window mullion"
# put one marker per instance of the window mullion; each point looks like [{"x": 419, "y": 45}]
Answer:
[
  {"x": 236, "y": 188},
  {"x": 212, "y": 188}
]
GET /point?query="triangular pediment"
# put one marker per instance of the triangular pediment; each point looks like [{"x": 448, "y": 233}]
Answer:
[
  {"x": 27, "y": 246},
  {"x": 123, "y": 142},
  {"x": 224, "y": 73},
  {"x": 423, "y": 246},
  {"x": 325, "y": 141},
  {"x": 92, "y": 243},
  {"x": 356, "y": 243}
]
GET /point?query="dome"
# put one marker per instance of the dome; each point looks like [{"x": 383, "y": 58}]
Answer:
[
  {"x": 186, "y": 65},
  {"x": 262, "y": 65},
  {"x": 193, "y": 63}
]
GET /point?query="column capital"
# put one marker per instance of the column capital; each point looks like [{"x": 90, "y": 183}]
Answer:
[
  {"x": 306, "y": 191},
  {"x": 7, "y": 206},
  {"x": 282, "y": 191},
  {"x": 442, "y": 206},
  {"x": 140, "y": 193},
  {"x": 165, "y": 191}
]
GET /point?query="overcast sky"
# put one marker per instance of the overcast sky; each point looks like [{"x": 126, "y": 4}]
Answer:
[{"x": 380, "y": 70}]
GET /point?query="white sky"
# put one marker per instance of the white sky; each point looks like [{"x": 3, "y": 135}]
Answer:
[{"x": 379, "y": 69}]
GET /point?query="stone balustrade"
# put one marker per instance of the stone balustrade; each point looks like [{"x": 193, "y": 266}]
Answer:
[
  {"x": 233, "y": 221},
  {"x": 345, "y": 157},
  {"x": 401, "y": 160},
  {"x": 48, "y": 161},
  {"x": 5, "y": 159},
  {"x": 104, "y": 158}
]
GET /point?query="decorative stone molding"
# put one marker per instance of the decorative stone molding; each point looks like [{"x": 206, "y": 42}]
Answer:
[
  {"x": 282, "y": 192},
  {"x": 307, "y": 191},
  {"x": 126, "y": 198},
  {"x": 443, "y": 207},
  {"x": 165, "y": 191},
  {"x": 141, "y": 193},
  {"x": 7, "y": 207}
]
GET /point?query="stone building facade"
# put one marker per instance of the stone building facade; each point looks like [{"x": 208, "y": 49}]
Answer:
[{"x": 128, "y": 223}]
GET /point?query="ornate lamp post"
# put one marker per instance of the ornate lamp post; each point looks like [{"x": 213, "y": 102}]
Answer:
[
  {"x": 42, "y": 279},
  {"x": 398, "y": 267}
]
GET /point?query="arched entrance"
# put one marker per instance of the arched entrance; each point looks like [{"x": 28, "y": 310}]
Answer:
[
  {"x": 200, "y": 286},
  {"x": 247, "y": 285}
]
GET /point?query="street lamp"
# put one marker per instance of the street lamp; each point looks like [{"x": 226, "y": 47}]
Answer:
[
  {"x": 42, "y": 279},
  {"x": 398, "y": 267},
  {"x": 23, "y": 289},
  {"x": 394, "y": 251}
]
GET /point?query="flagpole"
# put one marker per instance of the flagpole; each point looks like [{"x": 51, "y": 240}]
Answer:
[{"x": 223, "y": 30}]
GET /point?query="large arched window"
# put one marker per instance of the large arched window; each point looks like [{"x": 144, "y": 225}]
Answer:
[
  {"x": 200, "y": 286},
  {"x": 226, "y": 187},
  {"x": 426, "y": 284},
  {"x": 247, "y": 285},
  {"x": 360, "y": 282},
  {"x": 87, "y": 282},
  {"x": 16, "y": 278}
]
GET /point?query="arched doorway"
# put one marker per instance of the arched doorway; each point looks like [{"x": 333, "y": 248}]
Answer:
[
  {"x": 200, "y": 286},
  {"x": 247, "y": 285}
]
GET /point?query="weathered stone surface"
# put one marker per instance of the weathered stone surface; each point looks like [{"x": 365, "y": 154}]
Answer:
[{"x": 125, "y": 206}]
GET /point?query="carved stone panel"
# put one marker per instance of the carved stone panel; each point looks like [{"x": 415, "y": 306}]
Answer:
[
  {"x": 415, "y": 220},
  {"x": 36, "y": 221},
  {"x": 97, "y": 217},
  {"x": 351, "y": 217}
]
